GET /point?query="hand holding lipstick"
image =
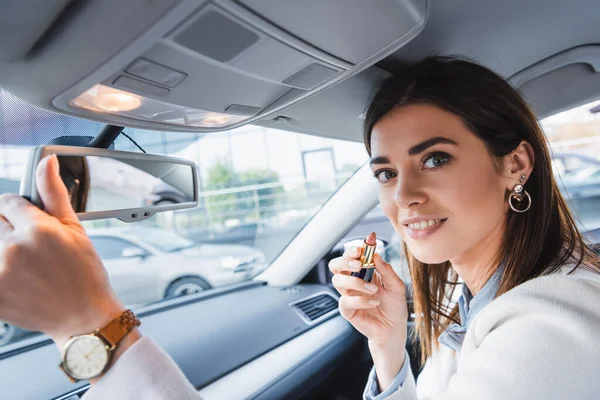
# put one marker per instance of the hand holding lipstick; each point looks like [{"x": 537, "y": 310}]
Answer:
[{"x": 377, "y": 309}]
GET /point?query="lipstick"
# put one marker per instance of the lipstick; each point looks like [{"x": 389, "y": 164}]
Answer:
[{"x": 366, "y": 258}]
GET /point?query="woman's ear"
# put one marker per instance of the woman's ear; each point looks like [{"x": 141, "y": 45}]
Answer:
[{"x": 517, "y": 164}]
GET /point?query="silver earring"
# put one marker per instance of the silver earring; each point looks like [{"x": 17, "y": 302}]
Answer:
[
  {"x": 522, "y": 178},
  {"x": 518, "y": 194}
]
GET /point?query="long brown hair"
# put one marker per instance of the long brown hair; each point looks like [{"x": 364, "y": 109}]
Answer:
[{"x": 536, "y": 242}]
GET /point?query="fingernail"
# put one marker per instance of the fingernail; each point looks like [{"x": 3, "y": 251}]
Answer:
[
  {"x": 373, "y": 302},
  {"x": 370, "y": 287},
  {"x": 354, "y": 264}
]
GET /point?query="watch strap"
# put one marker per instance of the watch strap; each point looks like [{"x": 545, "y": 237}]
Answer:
[{"x": 118, "y": 328}]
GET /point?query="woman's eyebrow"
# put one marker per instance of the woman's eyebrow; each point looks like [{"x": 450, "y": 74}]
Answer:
[
  {"x": 379, "y": 160},
  {"x": 416, "y": 149},
  {"x": 421, "y": 147}
]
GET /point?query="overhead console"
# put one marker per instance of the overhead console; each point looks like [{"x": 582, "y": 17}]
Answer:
[{"x": 196, "y": 65}]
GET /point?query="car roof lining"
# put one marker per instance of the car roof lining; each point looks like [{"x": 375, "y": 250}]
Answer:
[
  {"x": 227, "y": 55},
  {"x": 511, "y": 37},
  {"x": 532, "y": 44}
]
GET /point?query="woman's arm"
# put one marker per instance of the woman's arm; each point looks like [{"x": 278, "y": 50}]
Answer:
[
  {"x": 49, "y": 253},
  {"x": 375, "y": 391},
  {"x": 143, "y": 371},
  {"x": 388, "y": 362},
  {"x": 432, "y": 378}
]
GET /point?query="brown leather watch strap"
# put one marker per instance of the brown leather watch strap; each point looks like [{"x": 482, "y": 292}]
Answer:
[{"x": 118, "y": 328}]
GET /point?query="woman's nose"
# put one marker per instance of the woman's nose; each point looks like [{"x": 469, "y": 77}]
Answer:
[{"x": 409, "y": 192}]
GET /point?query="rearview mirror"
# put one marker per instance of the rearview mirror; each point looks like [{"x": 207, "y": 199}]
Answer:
[{"x": 115, "y": 184}]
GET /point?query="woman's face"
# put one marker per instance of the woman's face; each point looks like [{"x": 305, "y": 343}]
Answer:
[{"x": 438, "y": 184}]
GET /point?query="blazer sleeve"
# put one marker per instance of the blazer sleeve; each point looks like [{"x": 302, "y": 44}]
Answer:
[
  {"x": 372, "y": 392},
  {"x": 146, "y": 372},
  {"x": 533, "y": 345}
]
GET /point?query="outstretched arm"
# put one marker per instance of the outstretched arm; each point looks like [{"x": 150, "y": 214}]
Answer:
[{"x": 49, "y": 253}]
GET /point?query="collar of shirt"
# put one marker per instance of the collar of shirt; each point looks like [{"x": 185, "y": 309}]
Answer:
[{"x": 468, "y": 307}]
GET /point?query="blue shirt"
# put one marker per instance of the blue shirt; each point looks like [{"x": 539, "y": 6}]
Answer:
[{"x": 468, "y": 306}]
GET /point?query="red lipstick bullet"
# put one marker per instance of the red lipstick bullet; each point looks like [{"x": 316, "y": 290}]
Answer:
[{"x": 366, "y": 258}]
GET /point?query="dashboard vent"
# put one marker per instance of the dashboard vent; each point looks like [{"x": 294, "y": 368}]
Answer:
[{"x": 317, "y": 307}]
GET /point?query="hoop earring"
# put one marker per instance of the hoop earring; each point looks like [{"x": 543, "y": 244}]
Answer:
[{"x": 519, "y": 194}]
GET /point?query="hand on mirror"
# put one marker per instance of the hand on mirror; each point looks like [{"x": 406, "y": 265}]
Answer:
[{"x": 51, "y": 278}]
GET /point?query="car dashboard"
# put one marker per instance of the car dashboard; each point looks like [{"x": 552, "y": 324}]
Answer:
[{"x": 273, "y": 343}]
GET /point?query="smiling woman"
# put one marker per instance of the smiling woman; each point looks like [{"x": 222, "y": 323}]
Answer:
[{"x": 464, "y": 176}]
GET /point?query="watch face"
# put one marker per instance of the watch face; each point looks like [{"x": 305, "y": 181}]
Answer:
[{"x": 85, "y": 357}]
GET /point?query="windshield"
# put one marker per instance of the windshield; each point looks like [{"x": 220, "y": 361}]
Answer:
[
  {"x": 160, "y": 239},
  {"x": 258, "y": 188}
]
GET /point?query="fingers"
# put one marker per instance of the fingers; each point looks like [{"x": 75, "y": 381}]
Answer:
[
  {"x": 345, "y": 283},
  {"x": 354, "y": 252},
  {"x": 348, "y": 305},
  {"x": 19, "y": 212},
  {"x": 347, "y": 263},
  {"x": 389, "y": 277},
  {"x": 53, "y": 191}
]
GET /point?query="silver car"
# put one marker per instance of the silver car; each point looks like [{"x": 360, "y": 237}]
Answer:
[{"x": 149, "y": 264}]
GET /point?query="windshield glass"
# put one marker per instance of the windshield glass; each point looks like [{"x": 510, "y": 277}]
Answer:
[
  {"x": 160, "y": 239},
  {"x": 258, "y": 188}
]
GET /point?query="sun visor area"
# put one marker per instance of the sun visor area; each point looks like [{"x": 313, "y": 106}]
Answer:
[
  {"x": 214, "y": 65},
  {"x": 570, "y": 78},
  {"x": 337, "y": 112},
  {"x": 32, "y": 18}
]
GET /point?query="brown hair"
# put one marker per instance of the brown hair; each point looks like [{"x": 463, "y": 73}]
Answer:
[
  {"x": 536, "y": 242},
  {"x": 75, "y": 174}
]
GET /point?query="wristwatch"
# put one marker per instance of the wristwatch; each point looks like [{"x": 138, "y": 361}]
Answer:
[{"x": 87, "y": 356}]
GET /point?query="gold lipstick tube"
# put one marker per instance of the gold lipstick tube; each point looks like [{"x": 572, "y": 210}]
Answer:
[
  {"x": 368, "y": 266},
  {"x": 368, "y": 253}
]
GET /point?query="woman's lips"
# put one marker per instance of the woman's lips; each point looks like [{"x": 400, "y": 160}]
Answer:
[{"x": 426, "y": 231}]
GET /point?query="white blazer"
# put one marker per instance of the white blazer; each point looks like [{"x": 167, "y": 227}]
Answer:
[{"x": 540, "y": 340}]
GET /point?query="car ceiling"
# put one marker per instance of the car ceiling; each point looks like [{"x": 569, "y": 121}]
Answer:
[
  {"x": 507, "y": 36},
  {"x": 549, "y": 49}
]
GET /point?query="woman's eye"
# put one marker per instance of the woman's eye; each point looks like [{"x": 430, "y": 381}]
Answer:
[
  {"x": 384, "y": 175},
  {"x": 435, "y": 160}
]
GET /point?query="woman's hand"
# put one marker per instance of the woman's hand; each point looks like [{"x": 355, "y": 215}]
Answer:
[
  {"x": 51, "y": 278},
  {"x": 378, "y": 310}
]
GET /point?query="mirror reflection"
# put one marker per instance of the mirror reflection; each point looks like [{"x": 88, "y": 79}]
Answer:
[{"x": 104, "y": 183}]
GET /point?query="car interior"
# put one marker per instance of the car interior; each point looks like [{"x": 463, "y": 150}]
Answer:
[{"x": 237, "y": 290}]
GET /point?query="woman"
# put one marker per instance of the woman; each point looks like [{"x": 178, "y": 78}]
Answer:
[
  {"x": 450, "y": 144},
  {"x": 75, "y": 173},
  {"x": 464, "y": 177}
]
